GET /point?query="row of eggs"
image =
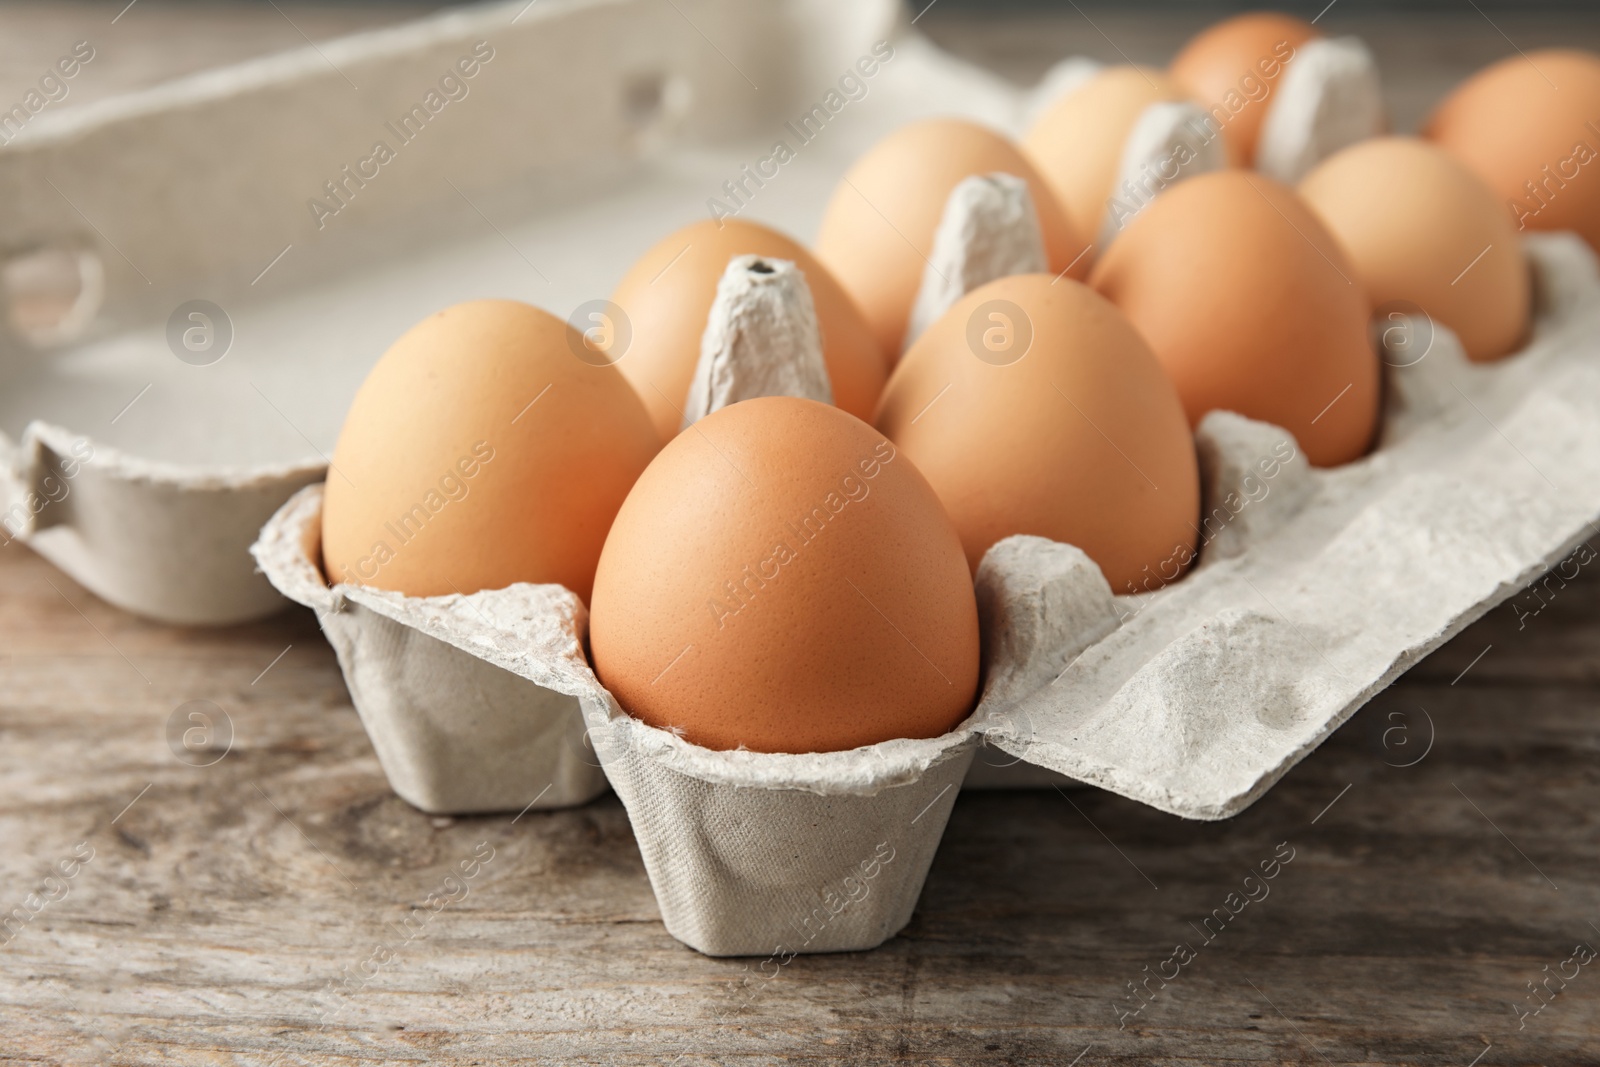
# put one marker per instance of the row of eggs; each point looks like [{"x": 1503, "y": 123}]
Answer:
[{"x": 794, "y": 576}]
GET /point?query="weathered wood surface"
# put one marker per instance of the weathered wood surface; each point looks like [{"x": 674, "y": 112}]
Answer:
[
  {"x": 225, "y": 906},
  {"x": 221, "y": 912}
]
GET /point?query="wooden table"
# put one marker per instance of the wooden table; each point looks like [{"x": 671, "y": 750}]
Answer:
[{"x": 273, "y": 907}]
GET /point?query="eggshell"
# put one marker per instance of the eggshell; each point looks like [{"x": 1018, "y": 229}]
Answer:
[
  {"x": 479, "y": 452},
  {"x": 1420, "y": 227},
  {"x": 1034, "y": 407},
  {"x": 879, "y": 227},
  {"x": 1077, "y": 144},
  {"x": 781, "y": 578},
  {"x": 1231, "y": 69},
  {"x": 1529, "y": 126},
  {"x": 668, "y": 293},
  {"x": 1253, "y": 307}
]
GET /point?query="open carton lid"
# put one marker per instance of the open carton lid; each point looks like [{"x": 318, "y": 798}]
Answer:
[{"x": 199, "y": 428}]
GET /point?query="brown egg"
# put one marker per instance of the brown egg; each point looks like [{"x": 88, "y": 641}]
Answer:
[
  {"x": 669, "y": 291},
  {"x": 1529, "y": 126},
  {"x": 1034, "y": 407},
  {"x": 1253, "y": 307},
  {"x": 1231, "y": 69},
  {"x": 482, "y": 451},
  {"x": 1077, "y": 144},
  {"x": 784, "y": 580},
  {"x": 1420, "y": 227},
  {"x": 878, "y": 231}
]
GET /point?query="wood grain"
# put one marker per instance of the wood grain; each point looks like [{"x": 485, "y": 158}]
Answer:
[
  {"x": 220, "y": 914},
  {"x": 281, "y": 906}
]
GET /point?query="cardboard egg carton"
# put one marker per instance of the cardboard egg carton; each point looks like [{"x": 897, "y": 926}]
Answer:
[
  {"x": 147, "y": 478},
  {"x": 1314, "y": 590}
]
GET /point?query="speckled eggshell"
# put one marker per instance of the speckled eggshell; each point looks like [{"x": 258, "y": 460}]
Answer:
[
  {"x": 481, "y": 451},
  {"x": 879, "y": 227},
  {"x": 1077, "y": 144},
  {"x": 1420, "y": 227},
  {"x": 668, "y": 293},
  {"x": 1253, "y": 307},
  {"x": 782, "y": 578},
  {"x": 1232, "y": 68},
  {"x": 1052, "y": 417},
  {"x": 1529, "y": 126}
]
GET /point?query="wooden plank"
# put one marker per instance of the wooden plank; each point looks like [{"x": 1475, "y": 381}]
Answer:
[{"x": 221, "y": 913}]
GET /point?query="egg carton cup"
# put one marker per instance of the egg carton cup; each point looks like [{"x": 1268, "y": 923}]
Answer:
[
  {"x": 455, "y": 732},
  {"x": 772, "y": 854}
]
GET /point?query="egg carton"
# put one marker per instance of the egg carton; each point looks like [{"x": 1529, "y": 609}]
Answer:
[
  {"x": 143, "y": 475},
  {"x": 1315, "y": 589}
]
